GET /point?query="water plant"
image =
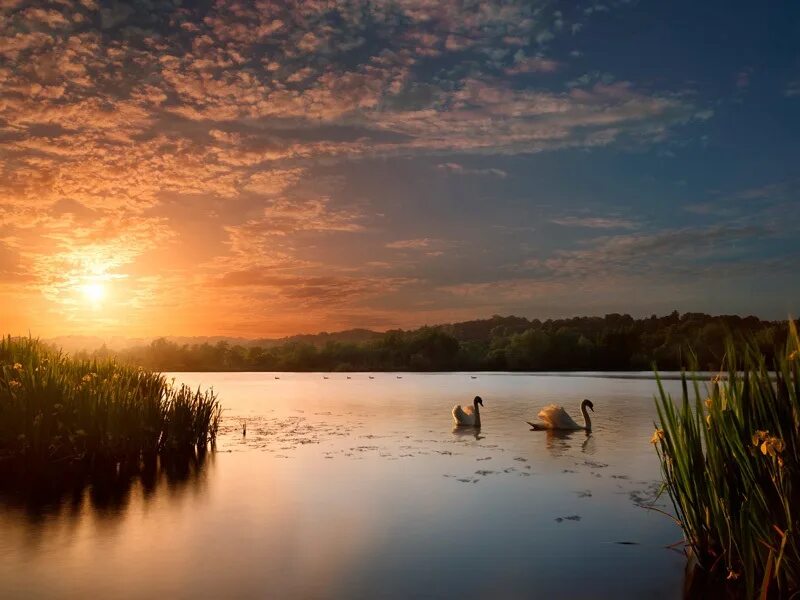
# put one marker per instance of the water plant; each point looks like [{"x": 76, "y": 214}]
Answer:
[
  {"x": 730, "y": 458},
  {"x": 55, "y": 410}
]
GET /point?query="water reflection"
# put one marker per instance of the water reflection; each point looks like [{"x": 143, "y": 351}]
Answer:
[
  {"x": 467, "y": 432},
  {"x": 70, "y": 495},
  {"x": 560, "y": 441},
  {"x": 361, "y": 488}
]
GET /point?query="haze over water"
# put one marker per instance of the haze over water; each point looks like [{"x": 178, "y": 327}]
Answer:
[{"x": 360, "y": 488}]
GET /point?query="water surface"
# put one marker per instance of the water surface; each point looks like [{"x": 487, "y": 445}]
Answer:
[{"x": 356, "y": 486}]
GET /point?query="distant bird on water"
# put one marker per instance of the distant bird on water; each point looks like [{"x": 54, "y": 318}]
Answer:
[{"x": 244, "y": 429}]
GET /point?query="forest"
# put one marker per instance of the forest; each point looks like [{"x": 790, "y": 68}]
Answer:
[{"x": 611, "y": 343}]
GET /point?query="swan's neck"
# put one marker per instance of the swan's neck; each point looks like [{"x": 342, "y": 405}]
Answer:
[
  {"x": 477, "y": 414},
  {"x": 587, "y": 421}
]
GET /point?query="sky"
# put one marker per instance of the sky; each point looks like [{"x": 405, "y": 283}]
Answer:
[{"x": 267, "y": 168}]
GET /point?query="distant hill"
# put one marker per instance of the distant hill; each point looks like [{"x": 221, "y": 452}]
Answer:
[{"x": 89, "y": 343}]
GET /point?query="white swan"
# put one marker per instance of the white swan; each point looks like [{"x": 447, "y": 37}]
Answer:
[
  {"x": 469, "y": 416},
  {"x": 555, "y": 417}
]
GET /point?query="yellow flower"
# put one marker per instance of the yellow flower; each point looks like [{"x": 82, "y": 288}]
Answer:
[
  {"x": 13, "y": 384},
  {"x": 758, "y": 436},
  {"x": 772, "y": 445},
  {"x": 17, "y": 367},
  {"x": 732, "y": 574},
  {"x": 658, "y": 435},
  {"x": 794, "y": 355},
  {"x": 708, "y": 402},
  {"x": 708, "y": 420}
]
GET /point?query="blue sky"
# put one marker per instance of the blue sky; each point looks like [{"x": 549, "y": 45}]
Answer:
[{"x": 262, "y": 168}]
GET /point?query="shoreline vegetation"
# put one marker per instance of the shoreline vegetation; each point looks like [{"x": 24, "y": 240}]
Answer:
[
  {"x": 614, "y": 342},
  {"x": 730, "y": 458},
  {"x": 61, "y": 415}
]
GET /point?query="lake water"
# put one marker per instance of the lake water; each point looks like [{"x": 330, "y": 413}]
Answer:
[{"x": 357, "y": 486}]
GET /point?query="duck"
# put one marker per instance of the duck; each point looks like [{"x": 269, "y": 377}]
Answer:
[
  {"x": 554, "y": 416},
  {"x": 469, "y": 416}
]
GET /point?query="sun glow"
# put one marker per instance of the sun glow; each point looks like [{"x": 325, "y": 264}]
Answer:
[{"x": 94, "y": 292}]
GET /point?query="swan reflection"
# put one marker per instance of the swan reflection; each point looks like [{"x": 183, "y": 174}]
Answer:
[
  {"x": 559, "y": 441},
  {"x": 465, "y": 432}
]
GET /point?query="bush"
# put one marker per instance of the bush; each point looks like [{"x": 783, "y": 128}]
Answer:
[{"x": 55, "y": 410}]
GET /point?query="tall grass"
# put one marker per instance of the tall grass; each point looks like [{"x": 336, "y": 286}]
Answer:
[
  {"x": 56, "y": 410},
  {"x": 731, "y": 464}
]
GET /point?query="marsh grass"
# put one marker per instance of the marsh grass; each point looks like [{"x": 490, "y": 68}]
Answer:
[
  {"x": 730, "y": 456},
  {"x": 55, "y": 411}
]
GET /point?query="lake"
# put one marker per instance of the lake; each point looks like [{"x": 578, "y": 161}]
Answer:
[{"x": 357, "y": 486}]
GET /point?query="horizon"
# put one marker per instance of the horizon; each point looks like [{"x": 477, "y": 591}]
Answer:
[{"x": 269, "y": 169}]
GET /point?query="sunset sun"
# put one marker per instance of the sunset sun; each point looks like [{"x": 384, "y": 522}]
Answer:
[{"x": 94, "y": 292}]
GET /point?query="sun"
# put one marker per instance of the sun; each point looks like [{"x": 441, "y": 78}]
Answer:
[{"x": 94, "y": 292}]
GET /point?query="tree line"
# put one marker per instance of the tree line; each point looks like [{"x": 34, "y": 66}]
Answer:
[{"x": 612, "y": 342}]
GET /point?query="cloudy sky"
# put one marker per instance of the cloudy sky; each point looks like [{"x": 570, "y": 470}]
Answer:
[{"x": 264, "y": 168}]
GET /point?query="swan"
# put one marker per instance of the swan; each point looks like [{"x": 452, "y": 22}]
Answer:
[
  {"x": 555, "y": 417},
  {"x": 469, "y": 416}
]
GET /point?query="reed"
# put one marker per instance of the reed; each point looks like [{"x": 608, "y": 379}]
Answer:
[
  {"x": 730, "y": 458},
  {"x": 56, "y": 410}
]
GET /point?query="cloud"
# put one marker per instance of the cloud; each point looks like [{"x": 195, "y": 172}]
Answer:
[
  {"x": 662, "y": 252},
  {"x": 272, "y": 182},
  {"x": 532, "y": 64},
  {"x": 174, "y": 145},
  {"x": 459, "y": 169},
  {"x": 743, "y": 78},
  {"x": 415, "y": 244},
  {"x": 596, "y": 222},
  {"x": 489, "y": 116},
  {"x": 430, "y": 247}
]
